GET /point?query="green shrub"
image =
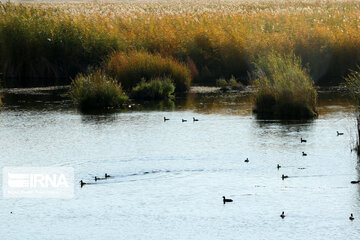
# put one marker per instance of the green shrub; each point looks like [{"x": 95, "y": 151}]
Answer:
[
  {"x": 221, "y": 82},
  {"x": 130, "y": 68},
  {"x": 96, "y": 91},
  {"x": 230, "y": 84},
  {"x": 285, "y": 89},
  {"x": 156, "y": 89}
]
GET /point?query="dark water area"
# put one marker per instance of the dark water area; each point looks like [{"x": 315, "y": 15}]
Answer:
[{"x": 169, "y": 177}]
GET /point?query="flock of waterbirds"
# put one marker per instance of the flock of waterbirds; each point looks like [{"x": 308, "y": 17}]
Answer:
[
  {"x": 182, "y": 120},
  {"x": 225, "y": 200},
  {"x": 282, "y": 215}
]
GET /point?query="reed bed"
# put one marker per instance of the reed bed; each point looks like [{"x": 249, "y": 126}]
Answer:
[
  {"x": 96, "y": 91},
  {"x": 132, "y": 67},
  {"x": 215, "y": 39},
  {"x": 155, "y": 89},
  {"x": 285, "y": 89}
]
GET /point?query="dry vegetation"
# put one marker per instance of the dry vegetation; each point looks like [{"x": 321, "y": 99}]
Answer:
[{"x": 214, "y": 38}]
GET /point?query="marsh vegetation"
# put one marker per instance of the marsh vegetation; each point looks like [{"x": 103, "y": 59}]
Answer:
[
  {"x": 187, "y": 42},
  {"x": 285, "y": 89},
  {"x": 48, "y": 42}
]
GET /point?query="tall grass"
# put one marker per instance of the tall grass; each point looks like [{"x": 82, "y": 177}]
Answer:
[
  {"x": 156, "y": 89},
  {"x": 216, "y": 39},
  {"x": 96, "y": 91},
  {"x": 352, "y": 81},
  {"x": 130, "y": 68},
  {"x": 285, "y": 90},
  {"x": 46, "y": 47}
]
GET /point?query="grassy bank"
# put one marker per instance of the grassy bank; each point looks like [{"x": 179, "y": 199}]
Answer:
[
  {"x": 45, "y": 43},
  {"x": 285, "y": 89}
]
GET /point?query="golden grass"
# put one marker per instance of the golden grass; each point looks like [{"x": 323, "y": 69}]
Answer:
[{"x": 222, "y": 38}]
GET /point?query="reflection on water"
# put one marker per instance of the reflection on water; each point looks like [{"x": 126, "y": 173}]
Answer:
[{"x": 169, "y": 177}]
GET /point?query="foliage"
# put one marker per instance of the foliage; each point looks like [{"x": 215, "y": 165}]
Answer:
[
  {"x": 46, "y": 47},
  {"x": 352, "y": 81},
  {"x": 96, "y": 91},
  {"x": 215, "y": 39},
  {"x": 285, "y": 90},
  {"x": 130, "y": 68},
  {"x": 155, "y": 89}
]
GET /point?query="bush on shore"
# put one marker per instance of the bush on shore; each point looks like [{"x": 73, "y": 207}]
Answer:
[
  {"x": 130, "y": 68},
  {"x": 232, "y": 84},
  {"x": 96, "y": 91},
  {"x": 155, "y": 89},
  {"x": 285, "y": 89}
]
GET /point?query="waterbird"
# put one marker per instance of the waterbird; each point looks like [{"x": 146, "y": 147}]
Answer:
[
  {"x": 183, "y": 120},
  {"x": 107, "y": 175},
  {"x": 225, "y": 200},
  {"x": 282, "y": 215},
  {"x": 339, "y": 133},
  {"x": 166, "y": 119},
  {"x": 195, "y": 120},
  {"x": 246, "y": 160},
  {"x": 82, "y": 183},
  {"x": 97, "y": 178},
  {"x": 351, "y": 217},
  {"x": 304, "y": 154},
  {"x": 355, "y": 182},
  {"x": 278, "y": 166},
  {"x": 303, "y": 140},
  {"x": 283, "y": 177}
]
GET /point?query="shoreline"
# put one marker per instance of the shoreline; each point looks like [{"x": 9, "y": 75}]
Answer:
[{"x": 193, "y": 89}]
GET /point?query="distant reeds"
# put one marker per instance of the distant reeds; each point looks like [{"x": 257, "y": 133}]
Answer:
[
  {"x": 45, "y": 43},
  {"x": 96, "y": 91},
  {"x": 133, "y": 67},
  {"x": 47, "y": 47},
  {"x": 285, "y": 89}
]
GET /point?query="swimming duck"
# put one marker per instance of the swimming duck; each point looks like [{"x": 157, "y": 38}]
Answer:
[
  {"x": 283, "y": 177},
  {"x": 166, "y": 119},
  {"x": 82, "y": 183},
  {"x": 107, "y": 175},
  {"x": 225, "y": 200},
  {"x": 246, "y": 160},
  {"x": 351, "y": 217},
  {"x": 355, "y": 182},
  {"x": 97, "y": 178},
  {"x": 282, "y": 215},
  {"x": 195, "y": 120},
  {"x": 183, "y": 120},
  {"x": 339, "y": 133},
  {"x": 304, "y": 154},
  {"x": 303, "y": 140},
  {"x": 278, "y": 166}
]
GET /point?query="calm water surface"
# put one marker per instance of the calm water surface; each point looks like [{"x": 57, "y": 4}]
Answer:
[{"x": 170, "y": 177}]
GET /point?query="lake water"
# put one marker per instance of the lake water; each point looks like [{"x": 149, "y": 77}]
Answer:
[{"x": 169, "y": 177}]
